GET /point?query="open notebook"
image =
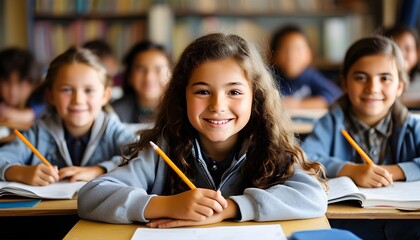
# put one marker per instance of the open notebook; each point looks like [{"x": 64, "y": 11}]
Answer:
[
  {"x": 58, "y": 190},
  {"x": 399, "y": 195}
]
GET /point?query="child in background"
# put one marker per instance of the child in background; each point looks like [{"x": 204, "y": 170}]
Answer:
[
  {"x": 77, "y": 137},
  {"x": 408, "y": 40},
  {"x": 18, "y": 83},
  {"x": 301, "y": 85},
  {"x": 147, "y": 71},
  {"x": 373, "y": 77},
  {"x": 222, "y": 123},
  {"x": 105, "y": 53}
]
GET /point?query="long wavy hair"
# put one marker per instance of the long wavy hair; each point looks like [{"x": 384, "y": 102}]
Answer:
[{"x": 273, "y": 149}]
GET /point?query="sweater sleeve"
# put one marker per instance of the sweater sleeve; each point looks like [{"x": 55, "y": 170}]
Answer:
[
  {"x": 302, "y": 196},
  {"x": 122, "y": 195}
]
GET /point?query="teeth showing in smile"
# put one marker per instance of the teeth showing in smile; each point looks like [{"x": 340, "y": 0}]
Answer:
[{"x": 217, "y": 122}]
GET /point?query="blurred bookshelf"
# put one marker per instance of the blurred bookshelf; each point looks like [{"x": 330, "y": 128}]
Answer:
[
  {"x": 56, "y": 25},
  {"x": 331, "y": 25}
]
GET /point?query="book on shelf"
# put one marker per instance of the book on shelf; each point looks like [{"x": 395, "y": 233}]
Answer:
[
  {"x": 57, "y": 190},
  {"x": 399, "y": 195}
]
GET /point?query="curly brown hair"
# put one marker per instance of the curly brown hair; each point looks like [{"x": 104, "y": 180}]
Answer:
[{"x": 274, "y": 149}]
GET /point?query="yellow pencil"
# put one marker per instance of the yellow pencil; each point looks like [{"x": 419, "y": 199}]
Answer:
[
  {"x": 30, "y": 146},
  {"x": 172, "y": 165},
  {"x": 359, "y": 150}
]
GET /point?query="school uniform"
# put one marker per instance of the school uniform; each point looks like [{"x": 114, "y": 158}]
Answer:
[
  {"x": 102, "y": 148},
  {"x": 122, "y": 195},
  {"x": 129, "y": 111},
  {"x": 327, "y": 145},
  {"x": 310, "y": 83}
]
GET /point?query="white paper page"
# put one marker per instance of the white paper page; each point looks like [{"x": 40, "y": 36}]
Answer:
[
  {"x": 252, "y": 232},
  {"x": 340, "y": 187},
  {"x": 57, "y": 190},
  {"x": 398, "y": 191},
  {"x": 399, "y": 194}
]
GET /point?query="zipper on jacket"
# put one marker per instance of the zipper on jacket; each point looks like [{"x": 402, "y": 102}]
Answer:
[{"x": 231, "y": 171}]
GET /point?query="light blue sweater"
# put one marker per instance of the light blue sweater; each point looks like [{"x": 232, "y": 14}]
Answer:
[
  {"x": 328, "y": 146},
  {"x": 122, "y": 195},
  {"x": 108, "y": 134}
]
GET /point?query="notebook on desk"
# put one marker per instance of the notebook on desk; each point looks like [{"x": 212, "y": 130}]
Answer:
[
  {"x": 57, "y": 190},
  {"x": 399, "y": 195}
]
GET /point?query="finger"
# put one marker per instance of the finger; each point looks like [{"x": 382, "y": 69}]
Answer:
[
  {"x": 49, "y": 171},
  {"x": 66, "y": 172},
  {"x": 384, "y": 176},
  {"x": 210, "y": 204},
  {"x": 156, "y": 222},
  {"x": 76, "y": 177},
  {"x": 221, "y": 199},
  {"x": 176, "y": 223},
  {"x": 201, "y": 213},
  {"x": 217, "y": 203},
  {"x": 388, "y": 178},
  {"x": 46, "y": 178}
]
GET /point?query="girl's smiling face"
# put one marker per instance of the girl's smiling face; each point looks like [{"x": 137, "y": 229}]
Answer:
[
  {"x": 149, "y": 75},
  {"x": 372, "y": 84},
  {"x": 78, "y": 94},
  {"x": 219, "y": 101}
]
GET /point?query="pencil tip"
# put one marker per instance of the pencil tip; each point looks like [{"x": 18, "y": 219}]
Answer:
[{"x": 153, "y": 145}]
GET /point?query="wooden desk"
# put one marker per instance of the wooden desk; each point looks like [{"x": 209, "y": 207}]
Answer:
[
  {"x": 307, "y": 117},
  {"x": 353, "y": 211},
  {"x": 307, "y": 113},
  {"x": 85, "y": 229},
  {"x": 44, "y": 208},
  {"x": 302, "y": 127},
  {"x": 49, "y": 219}
]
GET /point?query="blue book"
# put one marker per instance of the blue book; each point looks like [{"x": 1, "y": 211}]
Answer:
[
  {"x": 324, "y": 234},
  {"x": 19, "y": 203}
]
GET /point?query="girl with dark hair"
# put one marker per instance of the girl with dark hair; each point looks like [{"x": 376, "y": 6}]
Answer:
[
  {"x": 147, "y": 71},
  {"x": 222, "y": 123}
]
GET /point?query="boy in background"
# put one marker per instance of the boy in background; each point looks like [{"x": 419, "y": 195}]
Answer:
[
  {"x": 18, "y": 82},
  {"x": 302, "y": 86}
]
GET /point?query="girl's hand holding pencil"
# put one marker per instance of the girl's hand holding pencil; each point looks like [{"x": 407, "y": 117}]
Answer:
[
  {"x": 197, "y": 205},
  {"x": 194, "y": 207},
  {"x": 37, "y": 175}
]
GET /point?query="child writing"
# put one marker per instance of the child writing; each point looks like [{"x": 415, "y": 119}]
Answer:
[
  {"x": 408, "y": 40},
  {"x": 18, "y": 82},
  {"x": 373, "y": 77},
  {"x": 301, "y": 85},
  {"x": 222, "y": 123},
  {"x": 77, "y": 137},
  {"x": 147, "y": 71}
]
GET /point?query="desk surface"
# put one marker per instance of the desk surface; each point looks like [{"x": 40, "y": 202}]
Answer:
[
  {"x": 307, "y": 117},
  {"x": 354, "y": 211},
  {"x": 44, "y": 208},
  {"x": 85, "y": 229}
]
